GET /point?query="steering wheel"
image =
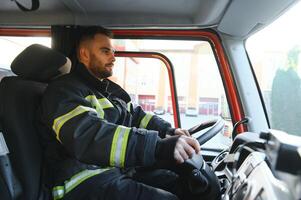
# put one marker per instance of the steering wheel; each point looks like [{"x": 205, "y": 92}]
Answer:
[
  {"x": 214, "y": 127},
  {"x": 201, "y": 180}
]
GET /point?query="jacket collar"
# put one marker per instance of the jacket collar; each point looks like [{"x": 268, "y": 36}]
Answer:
[{"x": 105, "y": 86}]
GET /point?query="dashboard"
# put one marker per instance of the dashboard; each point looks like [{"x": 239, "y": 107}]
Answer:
[{"x": 246, "y": 171}]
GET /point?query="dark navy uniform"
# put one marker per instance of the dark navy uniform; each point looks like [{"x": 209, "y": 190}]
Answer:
[{"x": 94, "y": 136}]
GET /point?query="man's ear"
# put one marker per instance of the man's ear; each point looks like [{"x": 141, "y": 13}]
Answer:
[{"x": 84, "y": 55}]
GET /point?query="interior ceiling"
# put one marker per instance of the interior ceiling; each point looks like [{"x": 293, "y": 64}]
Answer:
[
  {"x": 233, "y": 17},
  {"x": 116, "y": 12}
]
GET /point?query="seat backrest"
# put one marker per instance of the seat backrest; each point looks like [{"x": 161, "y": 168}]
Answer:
[
  {"x": 4, "y": 191},
  {"x": 19, "y": 100}
]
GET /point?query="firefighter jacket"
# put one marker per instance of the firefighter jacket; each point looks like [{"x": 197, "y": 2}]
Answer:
[{"x": 93, "y": 127}]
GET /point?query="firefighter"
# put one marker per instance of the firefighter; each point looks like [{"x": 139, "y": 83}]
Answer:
[{"x": 98, "y": 141}]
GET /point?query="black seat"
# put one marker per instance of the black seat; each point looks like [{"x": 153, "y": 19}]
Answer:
[
  {"x": 4, "y": 192},
  {"x": 19, "y": 100}
]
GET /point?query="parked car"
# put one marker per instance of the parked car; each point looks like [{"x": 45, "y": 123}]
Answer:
[
  {"x": 191, "y": 112},
  {"x": 159, "y": 111}
]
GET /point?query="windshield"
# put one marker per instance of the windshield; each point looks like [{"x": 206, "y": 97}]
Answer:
[
  {"x": 200, "y": 90},
  {"x": 275, "y": 56}
]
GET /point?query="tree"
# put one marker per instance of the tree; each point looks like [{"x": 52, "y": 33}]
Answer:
[{"x": 286, "y": 97}]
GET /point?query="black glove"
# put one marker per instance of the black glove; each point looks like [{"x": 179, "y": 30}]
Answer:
[
  {"x": 165, "y": 148},
  {"x": 170, "y": 131}
]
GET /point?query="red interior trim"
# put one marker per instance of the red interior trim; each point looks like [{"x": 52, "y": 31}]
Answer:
[{"x": 25, "y": 32}]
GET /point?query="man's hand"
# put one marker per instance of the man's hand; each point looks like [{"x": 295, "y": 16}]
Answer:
[
  {"x": 180, "y": 131},
  {"x": 185, "y": 148},
  {"x": 176, "y": 148}
]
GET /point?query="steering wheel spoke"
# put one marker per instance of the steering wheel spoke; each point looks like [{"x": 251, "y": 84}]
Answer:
[{"x": 213, "y": 126}]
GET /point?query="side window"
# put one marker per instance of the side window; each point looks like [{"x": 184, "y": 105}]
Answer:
[
  {"x": 275, "y": 55},
  {"x": 200, "y": 91},
  {"x": 146, "y": 80}
]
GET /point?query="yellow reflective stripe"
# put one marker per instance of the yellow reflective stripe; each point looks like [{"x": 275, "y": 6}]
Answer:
[
  {"x": 113, "y": 146},
  {"x": 105, "y": 103},
  {"x": 58, "y": 192},
  {"x": 99, "y": 104},
  {"x": 60, "y": 121},
  {"x": 94, "y": 103},
  {"x": 129, "y": 106},
  {"x": 119, "y": 145},
  {"x": 145, "y": 120}
]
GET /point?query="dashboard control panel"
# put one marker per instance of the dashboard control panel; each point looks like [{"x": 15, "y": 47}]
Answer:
[{"x": 255, "y": 181}]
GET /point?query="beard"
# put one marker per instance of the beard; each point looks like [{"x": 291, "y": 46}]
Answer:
[
  {"x": 100, "y": 70},
  {"x": 105, "y": 73}
]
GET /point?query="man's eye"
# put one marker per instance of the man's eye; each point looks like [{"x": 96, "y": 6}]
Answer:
[{"x": 105, "y": 51}]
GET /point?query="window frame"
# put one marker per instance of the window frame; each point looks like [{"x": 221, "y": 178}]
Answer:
[
  {"x": 171, "y": 76},
  {"x": 234, "y": 101}
]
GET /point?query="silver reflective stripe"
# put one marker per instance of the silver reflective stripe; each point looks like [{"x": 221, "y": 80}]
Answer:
[
  {"x": 119, "y": 145},
  {"x": 145, "y": 120},
  {"x": 59, "y": 192}
]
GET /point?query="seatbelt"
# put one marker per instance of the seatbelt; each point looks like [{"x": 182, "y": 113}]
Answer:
[
  {"x": 6, "y": 170},
  {"x": 34, "y": 6}
]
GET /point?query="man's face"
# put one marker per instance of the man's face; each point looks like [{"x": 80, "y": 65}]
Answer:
[{"x": 100, "y": 59}]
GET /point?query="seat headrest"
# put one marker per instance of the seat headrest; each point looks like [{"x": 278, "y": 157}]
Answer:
[{"x": 40, "y": 63}]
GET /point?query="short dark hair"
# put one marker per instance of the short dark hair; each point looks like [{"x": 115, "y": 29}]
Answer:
[{"x": 88, "y": 32}]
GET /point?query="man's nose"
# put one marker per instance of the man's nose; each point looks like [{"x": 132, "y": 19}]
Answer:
[{"x": 113, "y": 57}]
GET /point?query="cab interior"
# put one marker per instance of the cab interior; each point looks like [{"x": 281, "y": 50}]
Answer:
[{"x": 247, "y": 156}]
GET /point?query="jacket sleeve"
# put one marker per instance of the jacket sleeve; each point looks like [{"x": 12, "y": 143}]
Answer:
[
  {"x": 91, "y": 139},
  {"x": 150, "y": 121}
]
